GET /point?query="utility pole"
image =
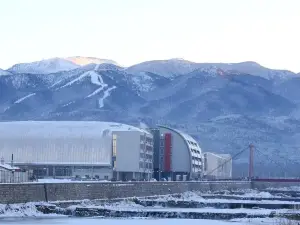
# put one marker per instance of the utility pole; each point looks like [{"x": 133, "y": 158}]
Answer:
[{"x": 251, "y": 155}]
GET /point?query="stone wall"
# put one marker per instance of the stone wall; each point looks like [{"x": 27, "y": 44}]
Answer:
[
  {"x": 19, "y": 193},
  {"x": 260, "y": 185},
  {"x": 35, "y": 192}
]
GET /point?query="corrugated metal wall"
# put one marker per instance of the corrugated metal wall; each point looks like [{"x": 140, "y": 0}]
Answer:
[{"x": 70, "y": 150}]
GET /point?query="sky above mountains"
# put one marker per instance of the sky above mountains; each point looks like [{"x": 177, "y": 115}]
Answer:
[{"x": 133, "y": 31}]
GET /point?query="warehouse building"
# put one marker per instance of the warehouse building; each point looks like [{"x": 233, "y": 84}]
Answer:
[
  {"x": 217, "y": 166},
  {"x": 177, "y": 156},
  {"x": 78, "y": 148}
]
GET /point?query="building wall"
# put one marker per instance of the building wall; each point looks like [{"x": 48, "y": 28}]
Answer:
[
  {"x": 128, "y": 150},
  {"x": 134, "y": 152},
  {"x": 186, "y": 154},
  {"x": 180, "y": 160},
  {"x": 16, "y": 177},
  {"x": 210, "y": 164},
  {"x": 56, "y": 151},
  {"x": 217, "y": 165},
  {"x": 59, "y": 142}
]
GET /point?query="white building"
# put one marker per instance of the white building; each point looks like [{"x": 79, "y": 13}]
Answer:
[
  {"x": 12, "y": 174},
  {"x": 132, "y": 155},
  {"x": 217, "y": 166},
  {"x": 64, "y": 149},
  {"x": 177, "y": 154}
]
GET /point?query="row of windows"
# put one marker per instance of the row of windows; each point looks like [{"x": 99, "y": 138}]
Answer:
[
  {"x": 145, "y": 156},
  {"x": 144, "y": 165},
  {"x": 197, "y": 167},
  {"x": 192, "y": 143},
  {"x": 146, "y": 147},
  {"x": 195, "y": 151},
  {"x": 196, "y": 159},
  {"x": 148, "y": 139}
]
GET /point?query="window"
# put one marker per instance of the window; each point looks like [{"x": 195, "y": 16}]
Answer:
[
  {"x": 149, "y": 148},
  {"x": 205, "y": 164},
  {"x": 114, "y": 145}
]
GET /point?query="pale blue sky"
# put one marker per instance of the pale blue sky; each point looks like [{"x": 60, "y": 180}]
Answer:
[{"x": 132, "y": 31}]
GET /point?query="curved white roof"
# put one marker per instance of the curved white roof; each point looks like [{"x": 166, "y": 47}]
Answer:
[
  {"x": 184, "y": 135},
  {"x": 62, "y": 128}
]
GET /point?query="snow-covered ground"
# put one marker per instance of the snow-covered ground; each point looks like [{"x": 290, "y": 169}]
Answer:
[
  {"x": 21, "y": 210},
  {"x": 292, "y": 188},
  {"x": 133, "y": 207},
  {"x": 28, "y": 214},
  {"x": 134, "y": 221},
  {"x": 198, "y": 196}
]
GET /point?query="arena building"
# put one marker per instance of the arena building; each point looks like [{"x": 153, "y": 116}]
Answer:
[
  {"x": 177, "y": 156},
  {"x": 78, "y": 148}
]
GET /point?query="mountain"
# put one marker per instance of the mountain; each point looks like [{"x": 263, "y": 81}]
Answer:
[
  {"x": 166, "y": 68},
  {"x": 44, "y": 66},
  {"x": 201, "y": 95},
  {"x": 82, "y": 61},
  {"x": 4, "y": 72},
  {"x": 221, "y": 105},
  {"x": 288, "y": 88},
  {"x": 174, "y": 67},
  {"x": 254, "y": 69}
]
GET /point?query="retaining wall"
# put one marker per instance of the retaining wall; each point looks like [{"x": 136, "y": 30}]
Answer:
[
  {"x": 35, "y": 192},
  {"x": 261, "y": 185},
  {"x": 20, "y": 193}
]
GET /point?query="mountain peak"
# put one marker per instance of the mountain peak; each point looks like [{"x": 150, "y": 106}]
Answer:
[
  {"x": 4, "y": 72},
  {"x": 250, "y": 63},
  {"x": 45, "y": 66},
  {"x": 82, "y": 61},
  {"x": 166, "y": 68}
]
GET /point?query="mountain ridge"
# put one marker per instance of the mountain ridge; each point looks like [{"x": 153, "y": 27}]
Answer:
[{"x": 169, "y": 68}]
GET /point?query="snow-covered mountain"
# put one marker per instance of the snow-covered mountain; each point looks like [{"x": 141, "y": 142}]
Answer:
[
  {"x": 252, "y": 68},
  {"x": 82, "y": 61},
  {"x": 4, "y": 72},
  {"x": 166, "y": 68},
  {"x": 224, "y": 106},
  {"x": 174, "y": 67},
  {"x": 44, "y": 66}
]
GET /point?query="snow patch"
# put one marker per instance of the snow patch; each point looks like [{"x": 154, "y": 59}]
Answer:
[
  {"x": 106, "y": 94},
  {"x": 143, "y": 81},
  {"x": 186, "y": 196},
  {"x": 69, "y": 103},
  {"x": 98, "y": 80},
  {"x": 96, "y": 91},
  {"x": 227, "y": 117},
  {"x": 24, "y": 98},
  {"x": 75, "y": 80},
  {"x": 21, "y": 210}
]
